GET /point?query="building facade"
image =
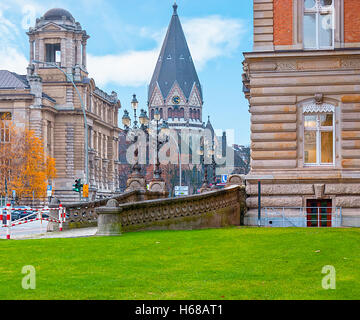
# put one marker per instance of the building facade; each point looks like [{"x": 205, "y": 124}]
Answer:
[
  {"x": 302, "y": 82},
  {"x": 46, "y": 101}
]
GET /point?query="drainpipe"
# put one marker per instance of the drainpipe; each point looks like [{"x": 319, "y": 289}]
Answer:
[{"x": 259, "y": 203}]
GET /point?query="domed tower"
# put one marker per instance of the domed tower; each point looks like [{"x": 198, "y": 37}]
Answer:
[
  {"x": 77, "y": 121},
  {"x": 58, "y": 38},
  {"x": 175, "y": 88}
]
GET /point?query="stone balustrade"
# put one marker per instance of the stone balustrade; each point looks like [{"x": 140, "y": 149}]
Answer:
[
  {"x": 213, "y": 209},
  {"x": 83, "y": 214}
]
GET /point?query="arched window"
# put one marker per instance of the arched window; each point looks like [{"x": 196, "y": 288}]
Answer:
[
  {"x": 161, "y": 113},
  {"x": 152, "y": 114},
  {"x": 198, "y": 114},
  {"x": 170, "y": 115},
  {"x": 191, "y": 113},
  {"x": 319, "y": 138},
  {"x": 182, "y": 113}
]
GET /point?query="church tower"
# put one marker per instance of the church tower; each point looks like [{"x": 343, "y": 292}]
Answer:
[{"x": 175, "y": 89}]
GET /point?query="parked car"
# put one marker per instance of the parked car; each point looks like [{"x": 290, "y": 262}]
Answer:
[
  {"x": 21, "y": 212},
  {"x": 15, "y": 215},
  {"x": 45, "y": 214}
]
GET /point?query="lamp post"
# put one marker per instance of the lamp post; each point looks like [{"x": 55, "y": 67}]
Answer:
[
  {"x": 157, "y": 170},
  {"x": 134, "y": 105},
  {"x": 83, "y": 110},
  {"x": 144, "y": 121},
  {"x": 201, "y": 153}
]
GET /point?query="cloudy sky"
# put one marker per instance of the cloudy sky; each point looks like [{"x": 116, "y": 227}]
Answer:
[{"x": 126, "y": 36}]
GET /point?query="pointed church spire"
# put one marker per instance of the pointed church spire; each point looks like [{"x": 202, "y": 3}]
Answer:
[{"x": 175, "y": 64}]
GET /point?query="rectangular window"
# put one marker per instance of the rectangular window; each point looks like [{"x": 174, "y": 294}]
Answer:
[
  {"x": 5, "y": 118},
  {"x": 53, "y": 53},
  {"x": 319, "y": 24},
  {"x": 319, "y": 139},
  {"x": 319, "y": 213}
]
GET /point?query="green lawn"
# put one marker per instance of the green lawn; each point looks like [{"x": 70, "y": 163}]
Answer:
[{"x": 234, "y": 263}]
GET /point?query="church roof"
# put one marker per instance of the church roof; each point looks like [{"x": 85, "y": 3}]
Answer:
[
  {"x": 11, "y": 80},
  {"x": 175, "y": 64}
]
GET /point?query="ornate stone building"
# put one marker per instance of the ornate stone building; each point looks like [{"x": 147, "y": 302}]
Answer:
[
  {"x": 302, "y": 82},
  {"x": 45, "y": 101}
]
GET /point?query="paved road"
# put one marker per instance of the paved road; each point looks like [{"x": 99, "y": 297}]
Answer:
[
  {"x": 28, "y": 229},
  {"x": 37, "y": 230}
]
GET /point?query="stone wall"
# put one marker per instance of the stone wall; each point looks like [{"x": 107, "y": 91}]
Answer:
[
  {"x": 83, "y": 215},
  {"x": 209, "y": 210}
]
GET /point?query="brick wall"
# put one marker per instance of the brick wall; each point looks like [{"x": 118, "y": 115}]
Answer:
[
  {"x": 352, "y": 20},
  {"x": 283, "y": 22}
]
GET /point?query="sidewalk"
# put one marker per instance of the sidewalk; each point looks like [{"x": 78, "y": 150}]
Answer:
[{"x": 74, "y": 233}]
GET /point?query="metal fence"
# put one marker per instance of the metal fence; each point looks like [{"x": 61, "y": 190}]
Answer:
[{"x": 320, "y": 217}]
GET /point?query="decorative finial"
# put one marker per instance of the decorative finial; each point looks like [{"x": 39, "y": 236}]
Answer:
[{"x": 175, "y": 6}]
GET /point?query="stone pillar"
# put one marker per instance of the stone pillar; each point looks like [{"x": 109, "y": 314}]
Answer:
[
  {"x": 31, "y": 51},
  {"x": 63, "y": 52},
  {"x": 37, "y": 56},
  {"x": 78, "y": 57},
  {"x": 35, "y": 83},
  {"x": 84, "y": 54},
  {"x": 41, "y": 50}
]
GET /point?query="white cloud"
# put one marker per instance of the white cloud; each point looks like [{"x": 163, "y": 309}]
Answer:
[
  {"x": 208, "y": 38},
  {"x": 11, "y": 59},
  {"x": 212, "y": 37},
  {"x": 129, "y": 69}
]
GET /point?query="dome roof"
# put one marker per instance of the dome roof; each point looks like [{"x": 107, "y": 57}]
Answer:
[{"x": 57, "y": 14}]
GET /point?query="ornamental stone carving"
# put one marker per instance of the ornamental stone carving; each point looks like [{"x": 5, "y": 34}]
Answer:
[{"x": 319, "y": 190}]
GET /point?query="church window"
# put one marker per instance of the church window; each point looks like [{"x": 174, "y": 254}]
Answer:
[
  {"x": 182, "y": 113},
  {"x": 318, "y": 24},
  {"x": 170, "y": 113},
  {"x": 319, "y": 143},
  {"x": 152, "y": 114}
]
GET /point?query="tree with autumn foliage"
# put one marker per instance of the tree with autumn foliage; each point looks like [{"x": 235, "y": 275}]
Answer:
[{"x": 23, "y": 162}]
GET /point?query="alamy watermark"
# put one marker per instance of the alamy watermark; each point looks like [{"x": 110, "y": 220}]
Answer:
[
  {"x": 329, "y": 281},
  {"x": 193, "y": 145},
  {"x": 29, "y": 281}
]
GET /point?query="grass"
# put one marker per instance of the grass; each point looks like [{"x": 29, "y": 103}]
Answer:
[{"x": 233, "y": 263}]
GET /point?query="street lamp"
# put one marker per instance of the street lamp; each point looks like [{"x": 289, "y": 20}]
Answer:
[
  {"x": 144, "y": 121},
  {"x": 134, "y": 105},
  {"x": 126, "y": 120},
  {"x": 83, "y": 110},
  {"x": 157, "y": 171},
  {"x": 201, "y": 153}
]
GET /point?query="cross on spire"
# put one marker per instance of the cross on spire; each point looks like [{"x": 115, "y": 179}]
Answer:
[{"x": 175, "y": 6}]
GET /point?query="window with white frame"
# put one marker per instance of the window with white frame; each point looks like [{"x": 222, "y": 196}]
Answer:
[
  {"x": 319, "y": 24},
  {"x": 319, "y": 135},
  {"x": 5, "y": 118}
]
